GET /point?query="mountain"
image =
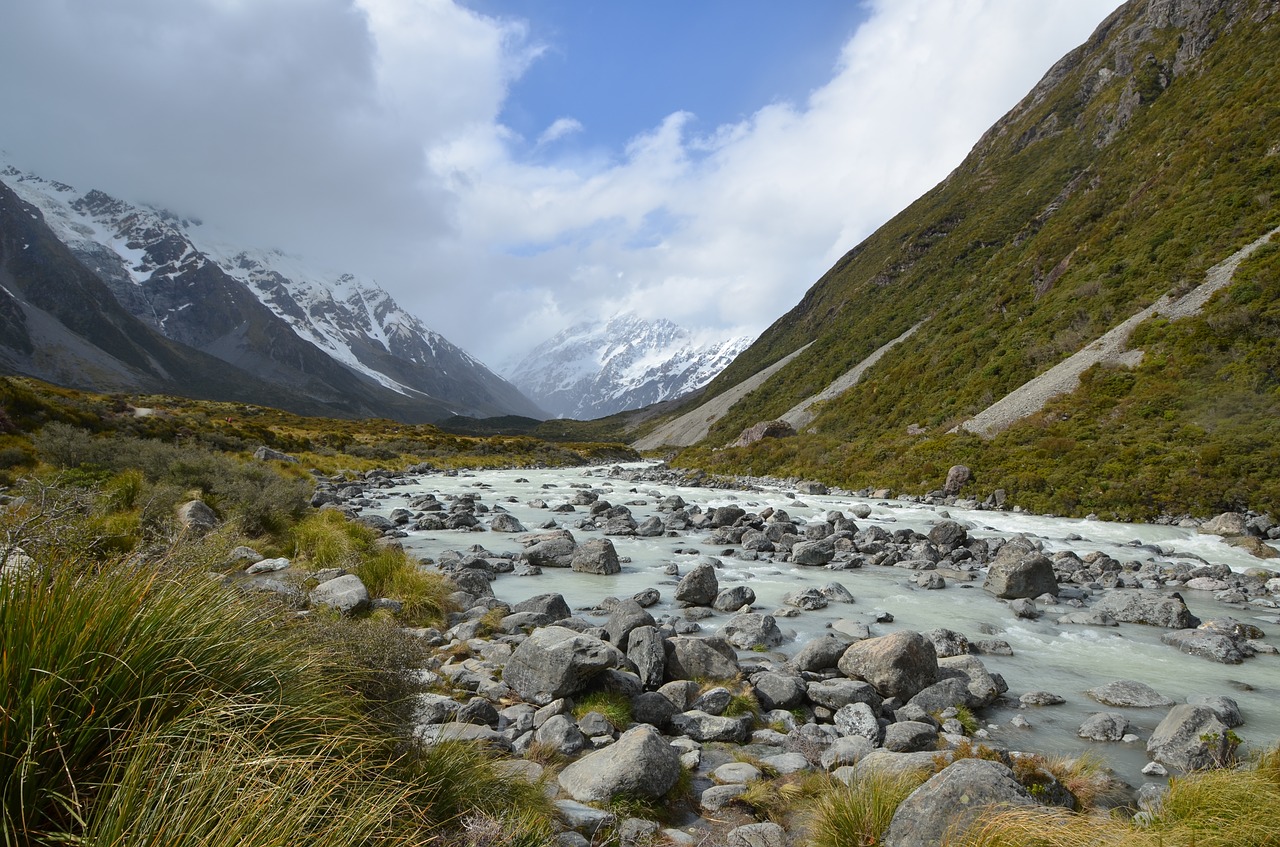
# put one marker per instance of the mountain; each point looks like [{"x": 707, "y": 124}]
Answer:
[
  {"x": 1126, "y": 207},
  {"x": 598, "y": 368},
  {"x": 336, "y": 340}
]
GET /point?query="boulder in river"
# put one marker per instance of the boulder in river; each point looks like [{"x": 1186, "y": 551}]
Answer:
[
  {"x": 1030, "y": 575},
  {"x": 1154, "y": 608},
  {"x": 699, "y": 587},
  {"x": 1192, "y": 738},
  {"x": 596, "y": 556}
]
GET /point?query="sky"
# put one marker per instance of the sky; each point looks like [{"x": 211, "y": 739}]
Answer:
[{"x": 506, "y": 168}]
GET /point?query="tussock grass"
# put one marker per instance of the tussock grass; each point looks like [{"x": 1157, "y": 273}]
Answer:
[
  {"x": 778, "y": 799},
  {"x": 1220, "y": 808},
  {"x": 615, "y": 706},
  {"x": 859, "y": 813}
]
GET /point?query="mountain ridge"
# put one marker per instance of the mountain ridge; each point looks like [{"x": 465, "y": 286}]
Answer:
[{"x": 339, "y": 340}]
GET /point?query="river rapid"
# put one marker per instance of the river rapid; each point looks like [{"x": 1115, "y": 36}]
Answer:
[{"x": 1063, "y": 659}]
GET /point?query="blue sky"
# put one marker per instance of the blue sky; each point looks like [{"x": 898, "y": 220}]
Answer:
[
  {"x": 508, "y": 168},
  {"x": 624, "y": 66}
]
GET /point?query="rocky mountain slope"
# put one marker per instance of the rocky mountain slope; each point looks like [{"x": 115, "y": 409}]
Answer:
[
  {"x": 1143, "y": 158},
  {"x": 343, "y": 342},
  {"x": 595, "y": 369}
]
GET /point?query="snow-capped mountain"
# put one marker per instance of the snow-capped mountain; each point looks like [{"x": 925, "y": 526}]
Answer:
[
  {"x": 595, "y": 369},
  {"x": 335, "y": 338}
]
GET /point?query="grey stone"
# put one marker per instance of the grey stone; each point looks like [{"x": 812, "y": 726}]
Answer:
[
  {"x": 1041, "y": 698},
  {"x": 900, "y": 664},
  {"x": 698, "y": 658},
  {"x": 734, "y": 598},
  {"x": 506, "y": 522},
  {"x": 836, "y": 593},
  {"x": 717, "y": 797},
  {"x": 910, "y": 737},
  {"x": 701, "y": 726},
  {"x": 552, "y": 606},
  {"x": 765, "y": 834},
  {"x": 834, "y": 693},
  {"x": 196, "y": 517},
  {"x": 345, "y": 594},
  {"x": 848, "y": 750},
  {"x": 1105, "y": 726},
  {"x": 627, "y": 616},
  {"x": 752, "y": 630},
  {"x": 858, "y": 719},
  {"x": 948, "y": 803},
  {"x": 1206, "y": 645},
  {"x": 1191, "y": 738},
  {"x": 778, "y": 690},
  {"x": 554, "y": 551},
  {"x": 808, "y": 599},
  {"x": 736, "y": 772},
  {"x": 820, "y": 653},
  {"x": 698, "y": 587},
  {"x": 562, "y": 734},
  {"x": 1153, "y": 608},
  {"x": 653, "y": 708},
  {"x": 646, "y": 650},
  {"x": 639, "y": 764},
  {"x": 1128, "y": 692},
  {"x": 1227, "y": 709},
  {"x": 813, "y": 553},
  {"x": 584, "y": 819},
  {"x": 1026, "y": 576},
  {"x": 597, "y": 556},
  {"x": 556, "y": 662}
]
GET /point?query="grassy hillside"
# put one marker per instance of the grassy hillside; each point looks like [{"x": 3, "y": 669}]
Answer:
[{"x": 1144, "y": 158}]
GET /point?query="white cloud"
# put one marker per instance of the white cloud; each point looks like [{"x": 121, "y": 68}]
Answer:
[
  {"x": 560, "y": 128},
  {"x": 367, "y": 133}
]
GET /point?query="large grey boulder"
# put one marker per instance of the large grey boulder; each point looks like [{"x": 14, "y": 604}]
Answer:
[
  {"x": 553, "y": 551},
  {"x": 820, "y": 653},
  {"x": 699, "y": 586},
  {"x": 626, "y": 617},
  {"x": 910, "y": 737},
  {"x": 345, "y": 594},
  {"x": 752, "y": 630},
  {"x": 556, "y": 662},
  {"x": 1026, "y": 576},
  {"x": 551, "y": 606},
  {"x": 647, "y": 651},
  {"x": 1105, "y": 726},
  {"x": 983, "y": 686},
  {"x": 701, "y": 726},
  {"x": 814, "y": 553},
  {"x": 639, "y": 764},
  {"x": 834, "y": 693},
  {"x": 506, "y": 522},
  {"x": 858, "y": 719},
  {"x": 734, "y": 598},
  {"x": 900, "y": 664},
  {"x": 1227, "y": 709},
  {"x": 1227, "y": 524},
  {"x": 1129, "y": 692},
  {"x": 700, "y": 658},
  {"x": 948, "y": 803},
  {"x": 1213, "y": 646},
  {"x": 778, "y": 690},
  {"x": 195, "y": 516},
  {"x": 1192, "y": 738},
  {"x": 1153, "y": 608},
  {"x": 596, "y": 556}
]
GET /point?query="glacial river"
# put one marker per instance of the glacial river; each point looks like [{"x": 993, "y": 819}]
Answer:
[{"x": 1066, "y": 660}]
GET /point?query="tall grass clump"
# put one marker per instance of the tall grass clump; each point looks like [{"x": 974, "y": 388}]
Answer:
[
  {"x": 860, "y": 812},
  {"x": 1218, "y": 808},
  {"x": 327, "y": 539},
  {"x": 90, "y": 657}
]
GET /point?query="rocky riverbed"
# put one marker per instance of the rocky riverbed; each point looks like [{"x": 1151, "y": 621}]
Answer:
[{"x": 868, "y": 630}]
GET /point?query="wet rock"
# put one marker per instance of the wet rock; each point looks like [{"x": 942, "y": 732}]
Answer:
[
  {"x": 1227, "y": 709},
  {"x": 1207, "y": 645},
  {"x": 1192, "y": 738},
  {"x": 1041, "y": 698},
  {"x": 1025, "y": 576},
  {"x": 808, "y": 599},
  {"x": 1105, "y": 726},
  {"x": 734, "y": 598},
  {"x": 555, "y": 551},
  {"x": 813, "y": 553},
  {"x": 1153, "y": 608},
  {"x": 699, "y": 587},
  {"x": 505, "y": 522},
  {"x": 948, "y": 535},
  {"x": 1128, "y": 692},
  {"x": 597, "y": 556}
]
